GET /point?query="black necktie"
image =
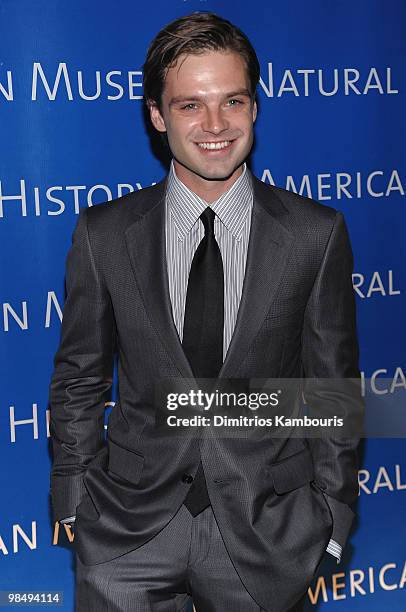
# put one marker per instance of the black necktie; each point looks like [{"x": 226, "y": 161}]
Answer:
[{"x": 203, "y": 329}]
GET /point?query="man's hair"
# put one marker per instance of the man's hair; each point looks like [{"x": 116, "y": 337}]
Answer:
[{"x": 194, "y": 34}]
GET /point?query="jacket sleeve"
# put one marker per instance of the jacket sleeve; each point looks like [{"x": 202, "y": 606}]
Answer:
[
  {"x": 83, "y": 373},
  {"x": 330, "y": 351}
]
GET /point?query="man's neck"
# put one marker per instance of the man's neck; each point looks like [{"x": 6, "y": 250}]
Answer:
[{"x": 209, "y": 191}]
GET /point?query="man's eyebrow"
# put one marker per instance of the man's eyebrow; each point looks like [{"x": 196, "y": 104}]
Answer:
[
  {"x": 231, "y": 94},
  {"x": 239, "y": 92}
]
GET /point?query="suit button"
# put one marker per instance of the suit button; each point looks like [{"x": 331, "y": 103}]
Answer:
[{"x": 187, "y": 478}]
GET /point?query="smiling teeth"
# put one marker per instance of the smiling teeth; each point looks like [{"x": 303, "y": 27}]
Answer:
[{"x": 214, "y": 145}]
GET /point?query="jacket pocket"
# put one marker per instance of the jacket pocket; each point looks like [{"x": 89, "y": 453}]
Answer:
[
  {"x": 292, "y": 472},
  {"x": 126, "y": 463},
  {"x": 87, "y": 508}
]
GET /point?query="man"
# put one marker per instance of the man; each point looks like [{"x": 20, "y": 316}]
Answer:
[{"x": 210, "y": 273}]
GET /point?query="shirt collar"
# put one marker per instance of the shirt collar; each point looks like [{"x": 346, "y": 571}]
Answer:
[{"x": 231, "y": 207}]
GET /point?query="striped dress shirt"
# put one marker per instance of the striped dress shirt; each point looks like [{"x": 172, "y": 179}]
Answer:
[{"x": 184, "y": 231}]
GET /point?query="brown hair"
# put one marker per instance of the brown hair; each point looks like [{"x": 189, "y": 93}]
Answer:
[{"x": 194, "y": 34}]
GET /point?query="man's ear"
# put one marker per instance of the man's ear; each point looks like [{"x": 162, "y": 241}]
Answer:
[
  {"x": 156, "y": 117},
  {"x": 254, "y": 110}
]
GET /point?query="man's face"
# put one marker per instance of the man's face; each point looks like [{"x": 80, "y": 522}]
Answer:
[{"x": 206, "y": 103}]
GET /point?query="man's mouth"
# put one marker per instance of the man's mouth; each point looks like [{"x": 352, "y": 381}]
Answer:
[{"x": 215, "y": 146}]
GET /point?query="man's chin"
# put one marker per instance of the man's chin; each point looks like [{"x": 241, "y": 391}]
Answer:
[
  {"x": 215, "y": 171},
  {"x": 219, "y": 176}
]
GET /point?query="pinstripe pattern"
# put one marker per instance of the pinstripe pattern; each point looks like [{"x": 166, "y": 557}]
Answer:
[
  {"x": 184, "y": 231},
  {"x": 334, "y": 549},
  {"x": 167, "y": 573}
]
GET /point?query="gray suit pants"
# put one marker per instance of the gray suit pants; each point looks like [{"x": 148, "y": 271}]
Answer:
[{"x": 185, "y": 561}]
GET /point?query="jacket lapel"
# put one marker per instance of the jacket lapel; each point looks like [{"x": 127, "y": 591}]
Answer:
[
  {"x": 145, "y": 240},
  {"x": 269, "y": 246}
]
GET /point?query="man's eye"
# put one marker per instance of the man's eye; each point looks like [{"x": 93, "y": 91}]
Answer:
[
  {"x": 234, "y": 102},
  {"x": 190, "y": 106}
]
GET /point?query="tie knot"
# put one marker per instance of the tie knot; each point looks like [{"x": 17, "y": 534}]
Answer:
[{"x": 207, "y": 218}]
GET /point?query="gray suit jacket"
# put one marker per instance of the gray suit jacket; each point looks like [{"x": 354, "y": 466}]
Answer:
[{"x": 277, "y": 501}]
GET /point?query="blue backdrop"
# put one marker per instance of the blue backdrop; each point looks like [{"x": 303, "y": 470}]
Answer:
[{"x": 331, "y": 125}]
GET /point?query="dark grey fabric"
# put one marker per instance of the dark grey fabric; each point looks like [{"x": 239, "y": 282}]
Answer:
[
  {"x": 296, "y": 316},
  {"x": 186, "y": 561}
]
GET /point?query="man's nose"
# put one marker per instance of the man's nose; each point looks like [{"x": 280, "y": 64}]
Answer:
[{"x": 215, "y": 121}]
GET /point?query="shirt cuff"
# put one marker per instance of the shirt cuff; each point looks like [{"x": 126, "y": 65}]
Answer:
[
  {"x": 335, "y": 549},
  {"x": 70, "y": 519}
]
